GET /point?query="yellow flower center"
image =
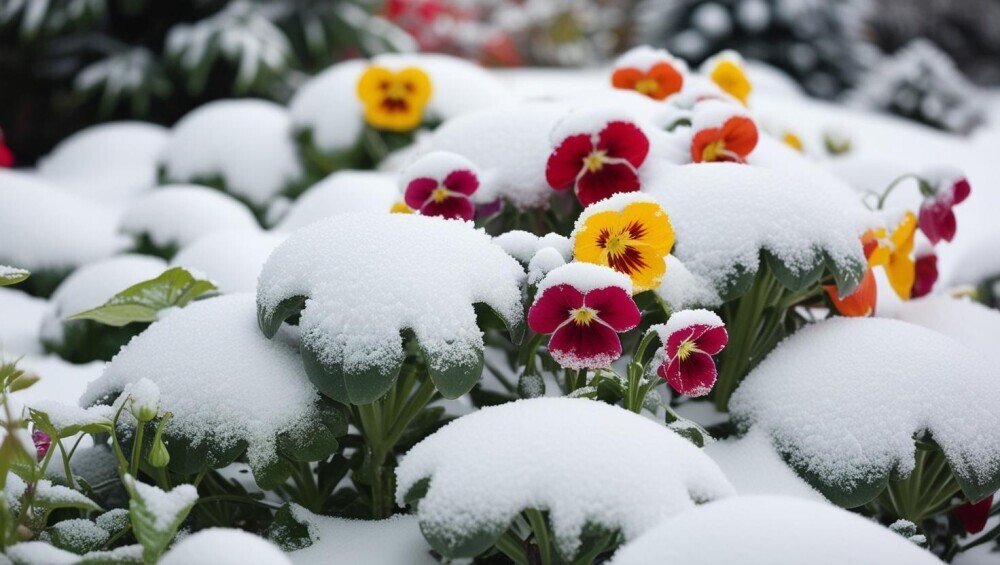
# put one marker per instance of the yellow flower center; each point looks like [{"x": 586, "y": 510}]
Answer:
[
  {"x": 439, "y": 195},
  {"x": 616, "y": 244},
  {"x": 595, "y": 161},
  {"x": 713, "y": 151},
  {"x": 583, "y": 316},
  {"x": 685, "y": 349},
  {"x": 647, "y": 85},
  {"x": 396, "y": 89}
]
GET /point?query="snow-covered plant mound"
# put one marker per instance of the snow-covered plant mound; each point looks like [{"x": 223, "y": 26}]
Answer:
[
  {"x": 261, "y": 400},
  {"x": 341, "y": 193},
  {"x": 593, "y": 467},
  {"x": 173, "y": 216},
  {"x": 242, "y": 146},
  {"x": 770, "y": 530},
  {"x": 113, "y": 162},
  {"x": 360, "y": 280},
  {"x": 843, "y": 400},
  {"x": 221, "y": 546},
  {"x": 727, "y": 216},
  {"x": 231, "y": 259},
  {"x": 967, "y": 322}
]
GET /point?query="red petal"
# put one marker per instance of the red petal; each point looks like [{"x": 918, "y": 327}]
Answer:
[
  {"x": 710, "y": 339},
  {"x": 974, "y": 516},
  {"x": 611, "y": 179},
  {"x": 700, "y": 141},
  {"x": 859, "y": 303},
  {"x": 926, "y": 275},
  {"x": 675, "y": 340},
  {"x": 553, "y": 307},
  {"x": 6, "y": 157},
  {"x": 418, "y": 191},
  {"x": 626, "y": 77},
  {"x": 590, "y": 346},
  {"x": 740, "y": 134},
  {"x": 624, "y": 140},
  {"x": 566, "y": 161},
  {"x": 615, "y": 307},
  {"x": 463, "y": 182},
  {"x": 695, "y": 376},
  {"x": 453, "y": 207},
  {"x": 960, "y": 190}
]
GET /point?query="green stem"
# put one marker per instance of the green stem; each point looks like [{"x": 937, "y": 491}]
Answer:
[
  {"x": 985, "y": 538},
  {"x": 892, "y": 186},
  {"x": 512, "y": 547},
  {"x": 541, "y": 531},
  {"x": 137, "y": 449}
]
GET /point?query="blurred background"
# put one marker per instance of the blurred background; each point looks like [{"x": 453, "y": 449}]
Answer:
[{"x": 67, "y": 64}]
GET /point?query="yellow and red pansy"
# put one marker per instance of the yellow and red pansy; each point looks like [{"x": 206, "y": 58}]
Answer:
[{"x": 394, "y": 100}]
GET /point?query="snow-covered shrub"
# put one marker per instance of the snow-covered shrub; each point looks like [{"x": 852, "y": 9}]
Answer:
[
  {"x": 341, "y": 192},
  {"x": 231, "y": 259}
]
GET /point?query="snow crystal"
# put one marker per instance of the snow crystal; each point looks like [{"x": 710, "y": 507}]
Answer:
[
  {"x": 754, "y": 467},
  {"x": 545, "y": 261},
  {"x": 396, "y": 540},
  {"x": 585, "y": 277},
  {"x": 246, "y": 142},
  {"x": 224, "y": 546},
  {"x": 560, "y": 243},
  {"x": 585, "y": 462},
  {"x": 43, "y": 228},
  {"x": 724, "y": 214},
  {"x": 113, "y": 162},
  {"x": 231, "y": 259},
  {"x": 176, "y": 215},
  {"x": 257, "y": 386},
  {"x": 340, "y": 193},
  {"x": 843, "y": 399},
  {"x": 770, "y": 530},
  {"x": 680, "y": 288},
  {"x": 406, "y": 271}
]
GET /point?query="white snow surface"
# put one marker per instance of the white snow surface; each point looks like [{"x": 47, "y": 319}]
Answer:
[
  {"x": 383, "y": 542},
  {"x": 585, "y": 277},
  {"x": 754, "y": 467},
  {"x": 258, "y": 386},
  {"x": 969, "y": 323},
  {"x": 224, "y": 546},
  {"x": 181, "y": 213},
  {"x": 20, "y": 322},
  {"x": 644, "y": 57},
  {"x": 680, "y": 288},
  {"x": 340, "y": 193},
  {"x": 112, "y": 162},
  {"x": 844, "y": 398},
  {"x": 246, "y": 142},
  {"x": 771, "y": 530},
  {"x": 627, "y": 472},
  {"x": 542, "y": 263},
  {"x": 403, "y": 271},
  {"x": 42, "y": 227},
  {"x": 232, "y": 259}
]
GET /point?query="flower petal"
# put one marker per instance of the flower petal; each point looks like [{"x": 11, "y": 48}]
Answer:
[
  {"x": 462, "y": 181},
  {"x": 585, "y": 346},
  {"x": 740, "y": 135},
  {"x": 553, "y": 307},
  {"x": 669, "y": 79},
  {"x": 710, "y": 339},
  {"x": 859, "y": 303},
  {"x": 455, "y": 207},
  {"x": 626, "y": 78},
  {"x": 675, "y": 340},
  {"x": 925, "y": 275},
  {"x": 419, "y": 191},
  {"x": 611, "y": 179},
  {"x": 615, "y": 307},
  {"x": 694, "y": 376},
  {"x": 566, "y": 162},
  {"x": 624, "y": 140}
]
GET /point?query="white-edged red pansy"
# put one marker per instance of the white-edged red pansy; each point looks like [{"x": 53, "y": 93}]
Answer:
[
  {"x": 690, "y": 339},
  {"x": 441, "y": 184}
]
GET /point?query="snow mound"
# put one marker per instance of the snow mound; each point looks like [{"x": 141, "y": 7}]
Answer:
[
  {"x": 585, "y": 277},
  {"x": 328, "y": 104},
  {"x": 365, "y": 278},
  {"x": 246, "y": 143},
  {"x": 112, "y": 162},
  {"x": 176, "y": 215},
  {"x": 257, "y": 387},
  {"x": 754, "y": 467},
  {"x": 843, "y": 399},
  {"x": 21, "y": 322},
  {"x": 224, "y": 546},
  {"x": 43, "y": 228},
  {"x": 231, "y": 259},
  {"x": 680, "y": 288},
  {"x": 726, "y": 214},
  {"x": 340, "y": 193},
  {"x": 585, "y": 462},
  {"x": 967, "y": 322},
  {"x": 396, "y": 540},
  {"x": 770, "y": 530}
]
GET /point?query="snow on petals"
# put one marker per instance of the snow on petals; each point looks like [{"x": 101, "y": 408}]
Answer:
[
  {"x": 441, "y": 184},
  {"x": 722, "y": 133},
  {"x": 690, "y": 339},
  {"x": 651, "y": 72},
  {"x": 600, "y": 162},
  {"x": 943, "y": 189},
  {"x": 584, "y": 320},
  {"x": 394, "y": 101}
]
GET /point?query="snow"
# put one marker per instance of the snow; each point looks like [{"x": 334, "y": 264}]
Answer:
[
  {"x": 246, "y": 142},
  {"x": 43, "y": 228},
  {"x": 519, "y": 244},
  {"x": 224, "y": 546},
  {"x": 340, "y": 193},
  {"x": 59, "y": 381},
  {"x": 176, "y": 215},
  {"x": 40, "y": 553},
  {"x": 627, "y": 472},
  {"x": 978, "y": 259},
  {"x": 969, "y": 323},
  {"x": 79, "y": 532},
  {"x": 382, "y": 542},
  {"x": 406, "y": 271},
  {"x": 542, "y": 263},
  {"x": 46, "y": 493},
  {"x": 231, "y": 259},
  {"x": 644, "y": 57},
  {"x": 680, "y": 288},
  {"x": 21, "y": 322},
  {"x": 258, "y": 386},
  {"x": 113, "y": 162},
  {"x": 843, "y": 399},
  {"x": 770, "y": 530},
  {"x": 163, "y": 506},
  {"x": 724, "y": 214},
  {"x": 685, "y": 319},
  {"x": 585, "y": 277},
  {"x": 754, "y": 467},
  {"x": 714, "y": 113},
  {"x": 64, "y": 416}
]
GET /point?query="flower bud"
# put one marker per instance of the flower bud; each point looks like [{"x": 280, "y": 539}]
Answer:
[
  {"x": 144, "y": 400},
  {"x": 158, "y": 455}
]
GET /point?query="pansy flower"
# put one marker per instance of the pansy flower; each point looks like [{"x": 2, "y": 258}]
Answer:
[
  {"x": 392, "y": 100},
  {"x": 722, "y": 133},
  {"x": 6, "y": 155},
  {"x": 925, "y": 274},
  {"x": 441, "y": 184},
  {"x": 937, "y": 219},
  {"x": 597, "y": 165},
  {"x": 630, "y": 233},
  {"x": 726, "y": 70},
  {"x": 584, "y": 307},
  {"x": 974, "y": 516},
  {"x": 42, "y": 442},
  {"x": 900, "y": 267},
  {"x": 651, "y": 72},
  {"x": 690, "y": 339},
  {"x": 862, "y": 301},
  {"x": 400, "y": 207}
]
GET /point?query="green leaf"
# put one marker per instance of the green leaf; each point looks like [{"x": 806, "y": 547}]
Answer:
[
  {"x": 156, "y": 514},
  {"x": 359, "y": 387},
  {"x": 454, "y": 378},
  {"x": 12, "y": 275},
  {"x": 77, "y": 536},
  {"x": 288, "y": 533},
  {"x": 53, "y": 497},
  {"x": 795, "y": 277},
  {"x": 142, "y": 302},
  {"x": 847, "y": 275}
]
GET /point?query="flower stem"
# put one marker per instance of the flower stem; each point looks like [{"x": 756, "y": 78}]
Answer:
[
  {"x": 541, "y": 532},
  {"x": 137, "y": 449},
  {"x": 892, "y": 186}
]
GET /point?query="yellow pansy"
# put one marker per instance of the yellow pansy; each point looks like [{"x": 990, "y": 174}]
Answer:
[
  {"x": 394, "y": 101},
  {"x": 729, "y": 75},
  {"x": 900, "y": 267},
  {"x": 634, "y": 241}
]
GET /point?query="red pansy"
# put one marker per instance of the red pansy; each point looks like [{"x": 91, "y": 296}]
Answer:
[
  {"x": 599, "y": 165},
  {"x": 448, "y": 197},
  {"x": 731, "y": 142},
  {"x": 688, "y": 349},
  {"x": 937, "y": 219}
]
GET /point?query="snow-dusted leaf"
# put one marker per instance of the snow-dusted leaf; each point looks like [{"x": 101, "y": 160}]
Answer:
[
  {"x": 406, "y": 273},
  {"x": 156, "y": 514},
  {"x": 843, "y": 399},
  {"x": 63, "y": 421},
  {"x": 144, "y": 301},
  {"x": 12, "y": 275},
  {"x": 77, "y": 535},
  {"x": 580, "y": 460},
  {"x": 47, "y": 495}
]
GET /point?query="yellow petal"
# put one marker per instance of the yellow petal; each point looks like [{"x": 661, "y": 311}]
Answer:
[
  {"x": 585, "y": 247},
  {"x": 369, "y": 85},
  {"x": 731, "y": 79},
  {"x": 420, "y": 82},
  {"x": 901, "y": 268},
  {"x": 658, "y": 234}
]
